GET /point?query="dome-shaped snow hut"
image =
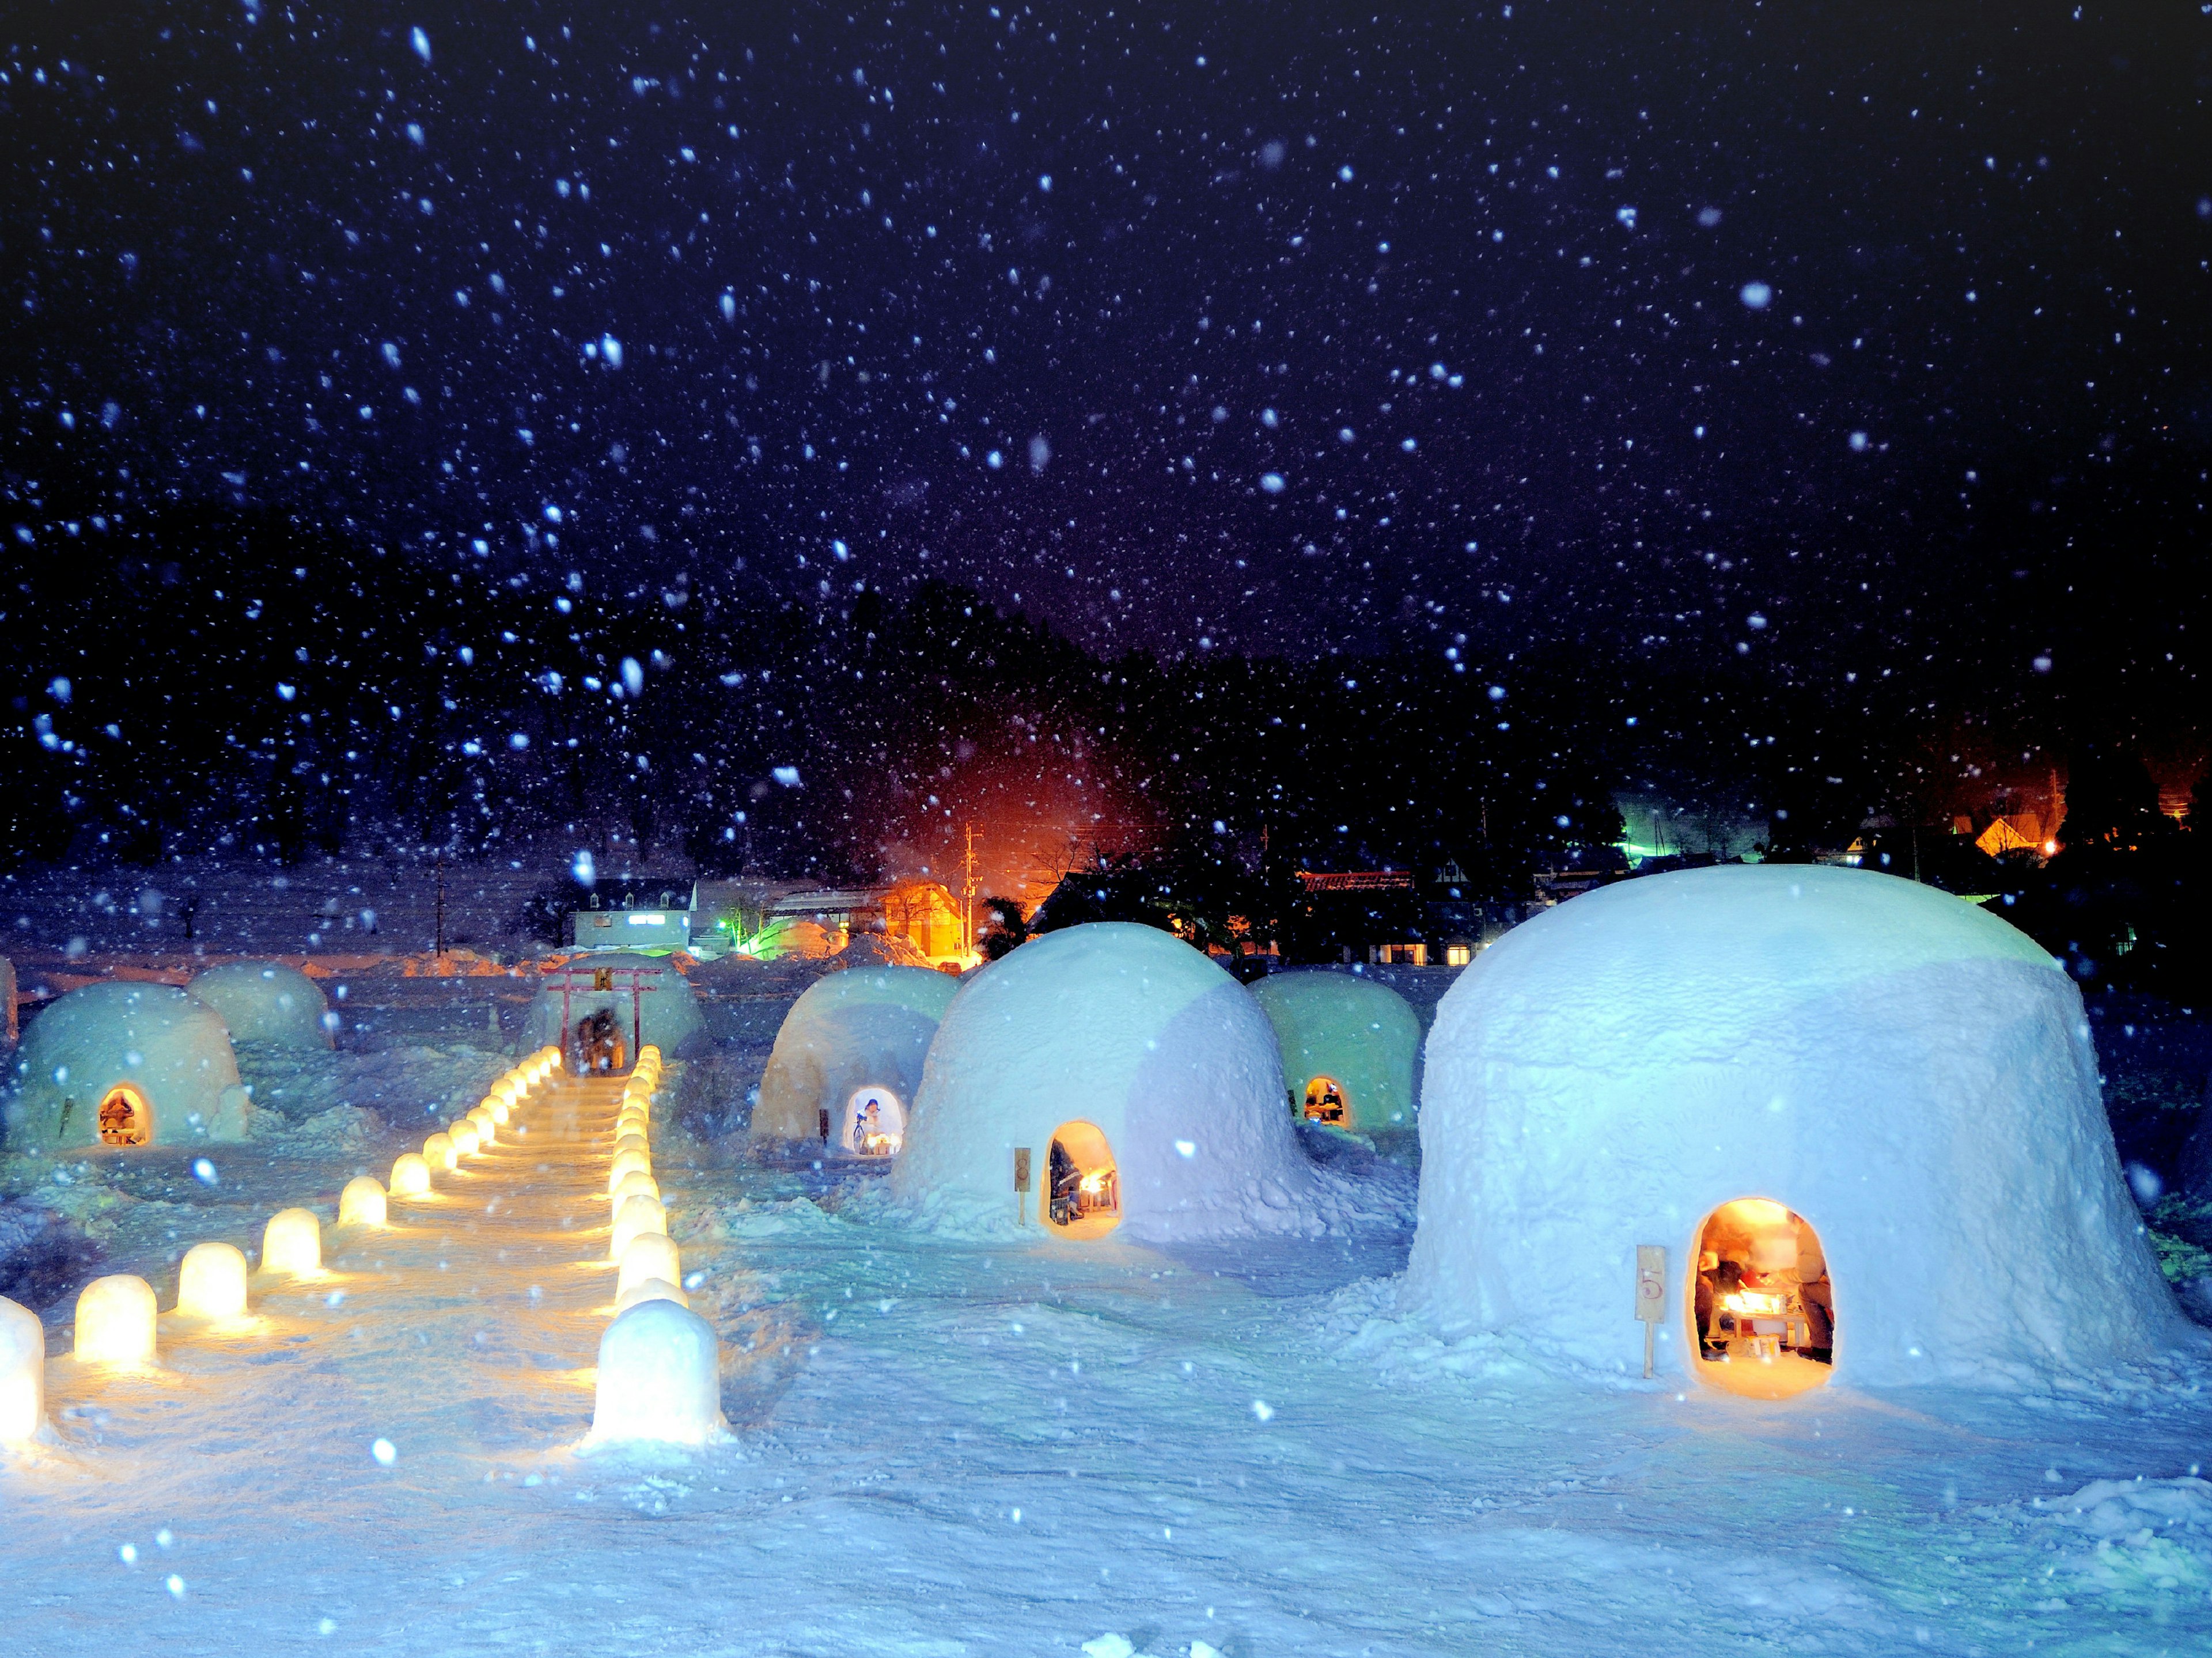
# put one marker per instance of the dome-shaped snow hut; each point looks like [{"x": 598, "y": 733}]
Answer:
[
  {"x": 266, "y": 1002},
  {"x": 849, "y": 1057},
  {"x": 1860, "y": 1115},
  {"x": 1134, "y": 1078},
  {"x": 1349, "y": 1047},
  {"x": 127, "y": 1065},
  {"x": 610, "y": 1006}
]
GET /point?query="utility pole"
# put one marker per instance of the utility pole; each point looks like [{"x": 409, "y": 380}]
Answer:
[
  {"x": 967, "y": 893},
  {"x": 441, "y": 867}
]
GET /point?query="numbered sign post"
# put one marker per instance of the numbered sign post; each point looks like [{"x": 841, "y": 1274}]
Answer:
[
  {"x": 1021, "y": 1185},
  {"x": 1651, "y": 1295}
]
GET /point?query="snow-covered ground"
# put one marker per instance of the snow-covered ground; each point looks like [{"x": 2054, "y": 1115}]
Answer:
[{"x": 948, "y": 1447}]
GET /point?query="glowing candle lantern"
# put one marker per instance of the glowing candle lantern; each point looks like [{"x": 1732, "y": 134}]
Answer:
[
  {"x": 650, "y": 1255},
  {"x": 487, "y": 1133},
  {"x": 410, "y": 1176},
  {"x": 658, "y": 1377},
  {"x": 211, "y": 1282},
  {"x": 632, "y": 1142},
  {"x": 633, "y": 1216},
  {"x": 292, "y": 1242},
  {"x": 630, "y": 1129},
  {"x": 464, "y": 1137},
  {"x": 22, "y": 1374},
  {"x": 636, "y": 1183},
  {"x": 624, "y": 1161},
  {"x": 361, "y": 1203},
  {"x": 651, "y": 1289},
  {"x": 438, "y": 1151},
  {"x": 496, "y": 1108},
  {"x": 115, "y": 1322}
]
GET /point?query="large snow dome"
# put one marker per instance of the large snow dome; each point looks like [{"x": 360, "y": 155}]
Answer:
[
  {"x": 266, "y": 1002},
  {"x": 669, "y": 1011},
  {"x": 1140, "y": 1079},
  {"x": 849, "y": 1055},
  {"x": 1349, "y": 1046},
  {"x": 1853, "y": 1110},
  {"x": 127, "y": 1065}
]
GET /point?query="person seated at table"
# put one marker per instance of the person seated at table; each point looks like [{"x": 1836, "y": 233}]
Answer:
[{"x": 1716, "y": 1323}]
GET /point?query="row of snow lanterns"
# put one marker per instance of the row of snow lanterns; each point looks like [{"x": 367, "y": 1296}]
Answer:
[
  {"x": 442, "y": 1154},
  {"x": 659, "y": 1362},
  {"x": 118, "y": 1315}
]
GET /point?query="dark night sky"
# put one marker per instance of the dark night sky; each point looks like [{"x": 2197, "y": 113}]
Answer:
[{"x": 1240, "y": 328}]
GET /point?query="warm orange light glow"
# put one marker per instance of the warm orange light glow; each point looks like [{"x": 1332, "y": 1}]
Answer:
[
  {"x": 650, "y": 1255},
  {"x": 439, "y": 1152},
  {"x": 361, "y": 1203},
  {"x": 22, "y": 1374},
  {"x": 211, "y": 1282},
  {"x": 633, "y": 1218},
  {"x": 115, "y": 1322},
  {"x": 410, "y": 1176},
  {"x": 292, "y": 1243}
]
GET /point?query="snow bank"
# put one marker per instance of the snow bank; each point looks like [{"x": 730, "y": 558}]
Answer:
[
  {"x": 1131, "y": 1030},
  {"x": 266, "y": 1002},
  {"x": 867, "y": 1027},
  {"x": 669, "y": 1011},
  {"x": 1363, "y": 1036},
  {"x": 171, "y": 1051},
  {"x": 1905, "y": 1072}
]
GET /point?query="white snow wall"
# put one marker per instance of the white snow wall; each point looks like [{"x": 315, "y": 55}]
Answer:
[
  {"x": 1906, "y": 1070},
  {"x": 1131, "y": 1030},
  {"x": 173, "y": 1047},
  {"x": 865, "y": 1025}
]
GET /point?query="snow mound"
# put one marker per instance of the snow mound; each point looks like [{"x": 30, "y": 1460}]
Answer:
[
  {"x": 870, "y": 1026},
  {"x": 868, "y": 949},
  {"x": 1363, "y": 1036},
  {"x": 169, "y": 1050},
  {"x": 1133, "y": 1032},
  {"x": 1898, "y": 1067},
  {"x": 267, "y": 1002}
]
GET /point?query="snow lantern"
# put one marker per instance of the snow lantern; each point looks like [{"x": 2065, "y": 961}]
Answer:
[
  {"x": 362, "y": 1202},
  {"x": 848, "y": 1057},
  {"x": 124, "y": 1065},
  {"x": 211, "y": 1282},
  {"x": 650, "y": 1289},
  {"x": 465, "y": 1138},
  {"x": 22, "y": 1374},
  {"x": 266, "y": 1003},
  {"x": 1350, "y": 1048},
  {"x": 658, "y": 1377},
  {"x": 665, "y": 1011},
  {"x": 411, "y": 1175},
  {"x": 650, "y": 1255},
  {"x": 636, "y": 1183},
  {"x": 626, "y": 1163},
  {"x": 1860, "y": 1115},
  {"x": 1137, "y": 1082},
  {"x": 292, "y": 1243},
  {"x": 115, "y": 1321},
  {"x": 633, "y": 1218}
]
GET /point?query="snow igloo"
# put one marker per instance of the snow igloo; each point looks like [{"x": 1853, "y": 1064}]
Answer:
[
  {"x": 1860, "y": 1116},
  {"x": 601, "y": 1015},
  {"x": 848, "y": 1057},
  {"x": 126, "y": 1065},
  {"x": 267, "y": 1003},
  {"x": 1349, "y": 1047},
  {"x": 1103, "y": 1077}
]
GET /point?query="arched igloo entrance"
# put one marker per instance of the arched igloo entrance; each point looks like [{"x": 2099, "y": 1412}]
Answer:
[
  {"x": 874, "y": 1124},
  {"x": 125, "y": 1119},
  {"x": 1325, "y": 1101},
  {"x": 1082, "y": 1195},
  {"x": 1762, "y": 1314}
]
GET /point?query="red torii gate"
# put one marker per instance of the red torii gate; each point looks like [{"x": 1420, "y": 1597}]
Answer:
[{"x": 603, "y": 979}]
